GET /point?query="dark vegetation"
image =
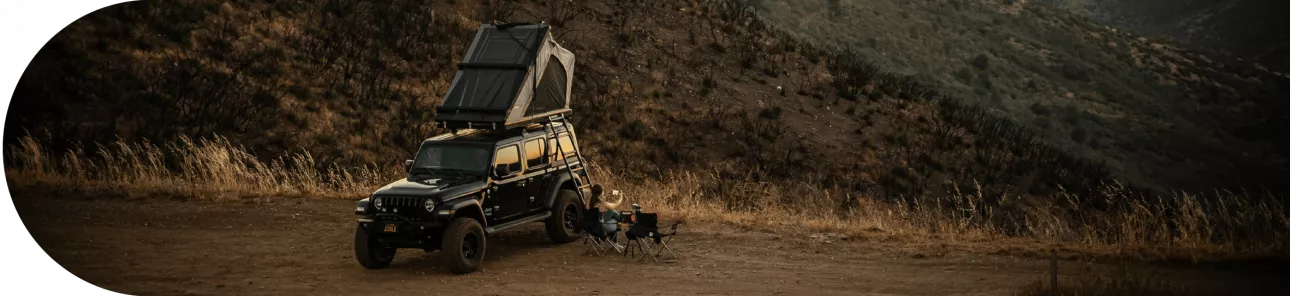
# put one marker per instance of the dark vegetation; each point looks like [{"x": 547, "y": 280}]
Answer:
[
  {"x": 349, "y": 81},
  {"x": 1158, "y": 115},
  {"x": 1253, "y": 29}
]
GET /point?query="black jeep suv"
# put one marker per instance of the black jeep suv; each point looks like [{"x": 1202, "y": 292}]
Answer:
[{"x": 463, "y": 187}]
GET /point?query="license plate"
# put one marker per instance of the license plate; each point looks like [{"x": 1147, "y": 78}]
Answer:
[{"x": 391, "y": 228}]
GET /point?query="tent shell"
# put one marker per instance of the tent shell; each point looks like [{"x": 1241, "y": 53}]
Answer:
[{"x": 512, "y": 76}]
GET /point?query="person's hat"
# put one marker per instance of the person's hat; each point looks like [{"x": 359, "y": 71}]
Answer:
[{"x": 615, "y": 197}]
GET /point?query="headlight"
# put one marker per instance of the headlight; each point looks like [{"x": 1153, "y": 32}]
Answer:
[
  {"x": 430, "y": 205},
  {"x": 377, "y": 202},
  {"x": 362, "y": 206}
]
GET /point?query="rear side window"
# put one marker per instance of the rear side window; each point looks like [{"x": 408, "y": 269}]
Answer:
[
  {"x": 509, "y": 157},
  {"x": 565, "y": 145},
  {"x": 533, "y": 152}
]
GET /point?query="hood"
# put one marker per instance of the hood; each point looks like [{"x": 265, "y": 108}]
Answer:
[{"x": 436, "y": 188}]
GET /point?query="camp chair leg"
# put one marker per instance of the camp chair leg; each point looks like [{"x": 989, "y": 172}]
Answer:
[
  {"x": 665, "y": 247},
  {"x": 594, "y": 244},
  {"x": 655, "y": 255},
  {"x": 605, "y": 246},
  {"x": 611, "y": 243},
  {"x": 595, "y": 247},
  {"x": 636, "y": 248},
  {"x": 647, "y": 251},
  {"x": 639, "y": 250}
]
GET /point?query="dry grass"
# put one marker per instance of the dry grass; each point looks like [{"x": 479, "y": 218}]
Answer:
[
  {"x": 1180, "y": 227},
  {"x": 205, "y": 167},
  {"x": 1183, "y": 226}
]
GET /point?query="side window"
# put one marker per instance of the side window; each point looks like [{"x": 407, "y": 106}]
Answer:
[
  {"x": 533, "y": 152},
  {"x": 507, "y": 161},
  {"x": 565, "y": 145}
]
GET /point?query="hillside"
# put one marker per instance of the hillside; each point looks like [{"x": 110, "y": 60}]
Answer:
[
  {"x": 1157, "y": 114},
  {"x": 968, "y": 119},
  {"x": 353, "y": 83},
  {"x": 1254, "y": 29}
]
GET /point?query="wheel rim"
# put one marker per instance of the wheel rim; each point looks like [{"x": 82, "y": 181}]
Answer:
[
  {"x": 570, "y": 217},
  {"x": 469, "y": 246},
  {"x": 379, "y": 251},
  {"x": 384, "y": 254}
]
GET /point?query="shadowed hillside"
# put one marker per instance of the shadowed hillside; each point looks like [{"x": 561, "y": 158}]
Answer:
[
  {"x": 1157, "y": 114},
  {"x": 1254, "y": 29}
]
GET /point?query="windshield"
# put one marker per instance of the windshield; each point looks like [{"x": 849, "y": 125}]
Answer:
[{"x": 465, "y": 159}]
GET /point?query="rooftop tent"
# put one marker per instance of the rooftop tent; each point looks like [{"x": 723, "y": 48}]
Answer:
[{"x": 494, "y": 85}]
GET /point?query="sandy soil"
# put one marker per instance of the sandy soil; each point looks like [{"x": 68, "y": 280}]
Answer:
[{"x": 294, "y": 246}]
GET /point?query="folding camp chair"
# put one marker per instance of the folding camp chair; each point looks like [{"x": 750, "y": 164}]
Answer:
[
  {"x": 644, "y": 236},
  {"x": 645, "y": 225},
  {"x": 594, "y": 235},
  {"x": 661, "y": 239}
]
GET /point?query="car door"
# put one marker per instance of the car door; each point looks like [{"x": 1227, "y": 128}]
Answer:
[
  {"x": 535, "y": 177},
  {"x": 509, "y": 197}
]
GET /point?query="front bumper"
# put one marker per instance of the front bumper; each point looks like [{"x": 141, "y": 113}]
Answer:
[{"x": 402, "y": 233}]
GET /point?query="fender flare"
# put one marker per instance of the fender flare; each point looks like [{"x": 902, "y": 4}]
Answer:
[
  {"x": 553, "y": 190},
  {"x": 460, "y": 206}
]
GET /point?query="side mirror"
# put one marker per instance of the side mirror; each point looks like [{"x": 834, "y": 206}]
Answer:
[
  {"x": 516, "y": 167},
  {"x": 502, "y": 170},
  {"x": 407, "y": 165}
]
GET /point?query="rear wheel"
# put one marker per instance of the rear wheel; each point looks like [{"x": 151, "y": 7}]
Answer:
[
  {"x": 369, "y": 251},
  {"x": 463, "y": 245},
  {"x": 562, "y": 226}
]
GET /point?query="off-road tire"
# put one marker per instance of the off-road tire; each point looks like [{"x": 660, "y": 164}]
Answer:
[
  {"x": 559, "y": 226},
  {"x": 369, "y": 252},
  {"x": 460, "y": 256}
]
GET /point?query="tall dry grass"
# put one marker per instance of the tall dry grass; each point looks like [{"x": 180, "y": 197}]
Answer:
[
  {"x": 1182, "y": 226},
  {"x": 203, "y": 167}
]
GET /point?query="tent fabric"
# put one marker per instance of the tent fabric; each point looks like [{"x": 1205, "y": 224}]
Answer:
[
  {"x": 485, "y": 90},
  {"x": 511, "y": 76},
  {"x": 551, "y": 90}
]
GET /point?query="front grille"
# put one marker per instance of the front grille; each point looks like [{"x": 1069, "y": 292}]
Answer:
[
  {"x": 402, "y": 202},
  {"x": 408, "y": 206}
]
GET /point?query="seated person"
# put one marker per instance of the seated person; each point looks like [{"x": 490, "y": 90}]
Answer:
[{"x": 610, "y": 217}]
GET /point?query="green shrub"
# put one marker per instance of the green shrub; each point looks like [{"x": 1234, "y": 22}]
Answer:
[
  {"x": 964, "y": 75},
  {"x": 771, "y": 112},
  {"x": 981, "y": 62},
  {"x": 634, "y": 130},
  {"x": 1040, "y": 109},
  {"x": 1079, "y": 135}
]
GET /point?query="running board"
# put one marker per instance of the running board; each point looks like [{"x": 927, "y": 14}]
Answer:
[{"x": 504, "y": 226}]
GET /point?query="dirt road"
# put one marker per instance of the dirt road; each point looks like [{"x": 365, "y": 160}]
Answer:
[{"x": 294, "y": 246}]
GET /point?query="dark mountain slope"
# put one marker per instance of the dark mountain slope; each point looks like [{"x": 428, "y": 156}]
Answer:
[{"x": 1156, "y": 113}]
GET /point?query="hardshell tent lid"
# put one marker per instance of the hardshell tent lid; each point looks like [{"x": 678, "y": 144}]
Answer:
[{"x": 494, "y": 85}]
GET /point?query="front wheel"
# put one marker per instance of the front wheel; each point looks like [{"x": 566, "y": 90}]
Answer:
[
  {"x": 463, "y": 245},
  {"x": 369, "y": 252},
  {"x": 562, "y": 227}
]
